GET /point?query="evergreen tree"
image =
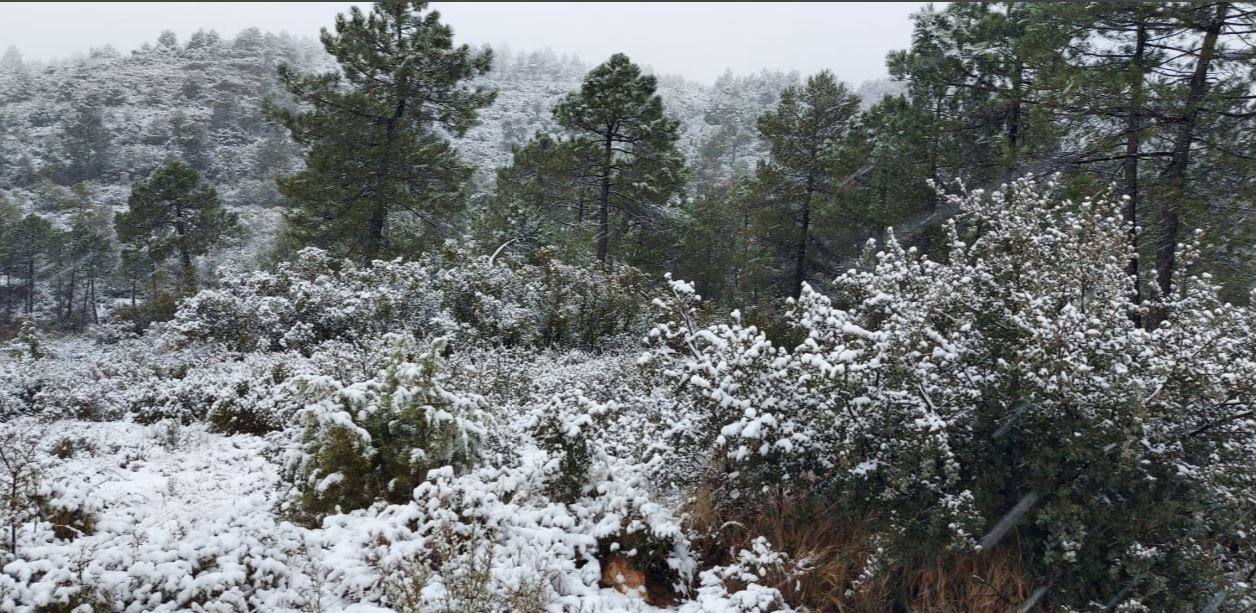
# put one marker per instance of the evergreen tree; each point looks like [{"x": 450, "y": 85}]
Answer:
[
  {"x": 805, "y": 132},
  {"x": 15, "y": 76},
  {"x": 544, "y": 198},
  {"x": 720, "y": 251},
  {"x": 135, "y": 269},
  {"x": 85, "y": 141},
  {"x": 638, "y": 168},
  {"x": 91, "y": 257},
  {"x": 9, "y": 218},
  {"x": 983, "y": 65},
  {"x": 376, "y": 163},
  {"x": 175, "y": 213},
  {"x": 192, "y": 141},
  {"x": 27, "y": 245}
]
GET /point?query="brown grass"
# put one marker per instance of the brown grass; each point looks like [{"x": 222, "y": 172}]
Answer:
[{"x": 832, "y": 550}]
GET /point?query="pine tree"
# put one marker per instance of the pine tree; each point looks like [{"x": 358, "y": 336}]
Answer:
[
  {"x": 91, "y": 256},
  {"x": 135, "y": 269},
  {"x": 544, "y": 198},
  {"x": 1162, "y": 92},
  {"x": 27, "y": 244},
  {"x": 86, "y": 142},
  {"x": 376, "y": 163},
  {"x": 174, "y": 212},
  {"x": 805, "y": 132},
  {"x": 192, "y": 141},
  {"x": 638, "y": 168},
  {"x": 983, "y": 66},
  {"x": 15, "y": 76}
]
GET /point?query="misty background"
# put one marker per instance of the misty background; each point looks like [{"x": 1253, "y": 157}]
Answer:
[{"x": 694, "y": 40}]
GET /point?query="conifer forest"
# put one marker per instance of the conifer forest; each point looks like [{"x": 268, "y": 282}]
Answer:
[{"x": 377, "y": 318}]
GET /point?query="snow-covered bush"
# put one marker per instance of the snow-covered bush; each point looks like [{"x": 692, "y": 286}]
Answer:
[
  {"x": 1004, "y": 388},
  {"x": 377, "y": 439},
  {"x": 256, "y": 395},
  {"x": 312, "y": 300},
  {"x": 501, "y": 301},
  {"x": 561, "y": 427},
  {"x": 549, "y": 303}
]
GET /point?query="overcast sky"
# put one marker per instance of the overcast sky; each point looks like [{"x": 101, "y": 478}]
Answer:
[{"x": 695, "y": 40}]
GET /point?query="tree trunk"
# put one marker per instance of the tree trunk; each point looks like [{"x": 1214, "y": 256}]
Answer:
[
  {"x": 91, "y": 290},
  {"x": 800, "y": 264},
  {"x": 188, "y": 270},
  {"x": 1174, "y": 175},
  {"x": 374, "y": 235},
  {"x": 69, "y": 296},
  {"x": 373, "y": 242},
  {"x": 604, "y": 203},
  {"x": 30, "y": 286},
  {"x": 1133, "y": 145},
  {"x": 1014, "y": 123}
]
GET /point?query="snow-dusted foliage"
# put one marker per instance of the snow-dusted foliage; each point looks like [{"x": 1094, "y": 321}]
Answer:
[
  {"x": 471, "y": 433},
  {"x": 1006, "y": 387},
  {"x": 315, "y": 299},
  {"x": 377, "y": 439}
]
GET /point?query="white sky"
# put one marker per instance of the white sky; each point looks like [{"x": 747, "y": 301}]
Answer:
[{"x": 695, "y": 40}]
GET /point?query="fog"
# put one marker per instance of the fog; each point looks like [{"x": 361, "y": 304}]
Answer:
[{"x": 694, "y": 40}]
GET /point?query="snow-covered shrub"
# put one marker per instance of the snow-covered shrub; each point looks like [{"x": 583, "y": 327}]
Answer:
[
  {"x": 502, "y": 301},
  {"x": 1004, "y": 388},
  {"x": 377, "y": 439},
  {"x": 312, "y": 300},
  {"x": 27, "y": 343},
  {"x": 21, "y": 474},
  {"x": 561, "y": 428},
  {"x": 737, "y": 404},
  {"x": 258, "y": 398}
]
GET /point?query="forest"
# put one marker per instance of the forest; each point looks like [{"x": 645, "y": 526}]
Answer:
[{"x": 385, "y": 321}]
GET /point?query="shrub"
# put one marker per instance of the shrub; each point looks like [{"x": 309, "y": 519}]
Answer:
[
  {"x": 476, "y": 299},
  {"x": 1006, "y": 388},
  {"x": 377, "y": 439}
]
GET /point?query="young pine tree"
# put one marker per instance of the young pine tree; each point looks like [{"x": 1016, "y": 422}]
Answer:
[
  {"x": 376, "y": 164},
  {"x": 175, "y": 213},
  {"x": 637, "y": 167},
  {"x": 85, "y": 141}
]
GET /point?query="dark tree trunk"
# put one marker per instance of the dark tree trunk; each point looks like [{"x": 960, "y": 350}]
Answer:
[
  {"x": 800, "y": 263},
  {"x": 69, "y": 296},
  {"x": 30, "y": 286},
  {"x": 1014, "y": 123},
  {"x": 188, "y": 270},
  {"x": 604, "y": 203},
  {"x": 1133, "y": 145},
  {"x": 373, "y": 241},
  {"x": 1174, "y": 175}
]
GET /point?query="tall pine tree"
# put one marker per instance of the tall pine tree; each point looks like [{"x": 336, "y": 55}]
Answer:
[
  {"x": 377, "y": 166},
  {"x": 638, "y": 168},
  {"x": 805, "y": 132}
]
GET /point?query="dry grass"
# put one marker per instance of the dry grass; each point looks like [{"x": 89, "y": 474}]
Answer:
[{"x": 832, "y": 551}]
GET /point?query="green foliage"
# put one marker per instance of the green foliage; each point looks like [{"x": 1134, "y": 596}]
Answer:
[
  {"x": 175, "y": 213},
  {"x": 544, "y": 199},
  {"x": 85, "y": 142},
  {"x": 499, "y": 301},
  {"x": 561, "y": 428},
  {"x": 377, "y": 439},
  {"x": 796, "y": 187},
  {"x": 377, "y": 172},
  {"x": 618, "y": 119},
  {"x": 946, "y": 404}
]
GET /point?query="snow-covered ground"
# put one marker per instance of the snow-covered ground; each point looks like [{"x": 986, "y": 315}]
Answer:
[{"x": 187, "y": 519}]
